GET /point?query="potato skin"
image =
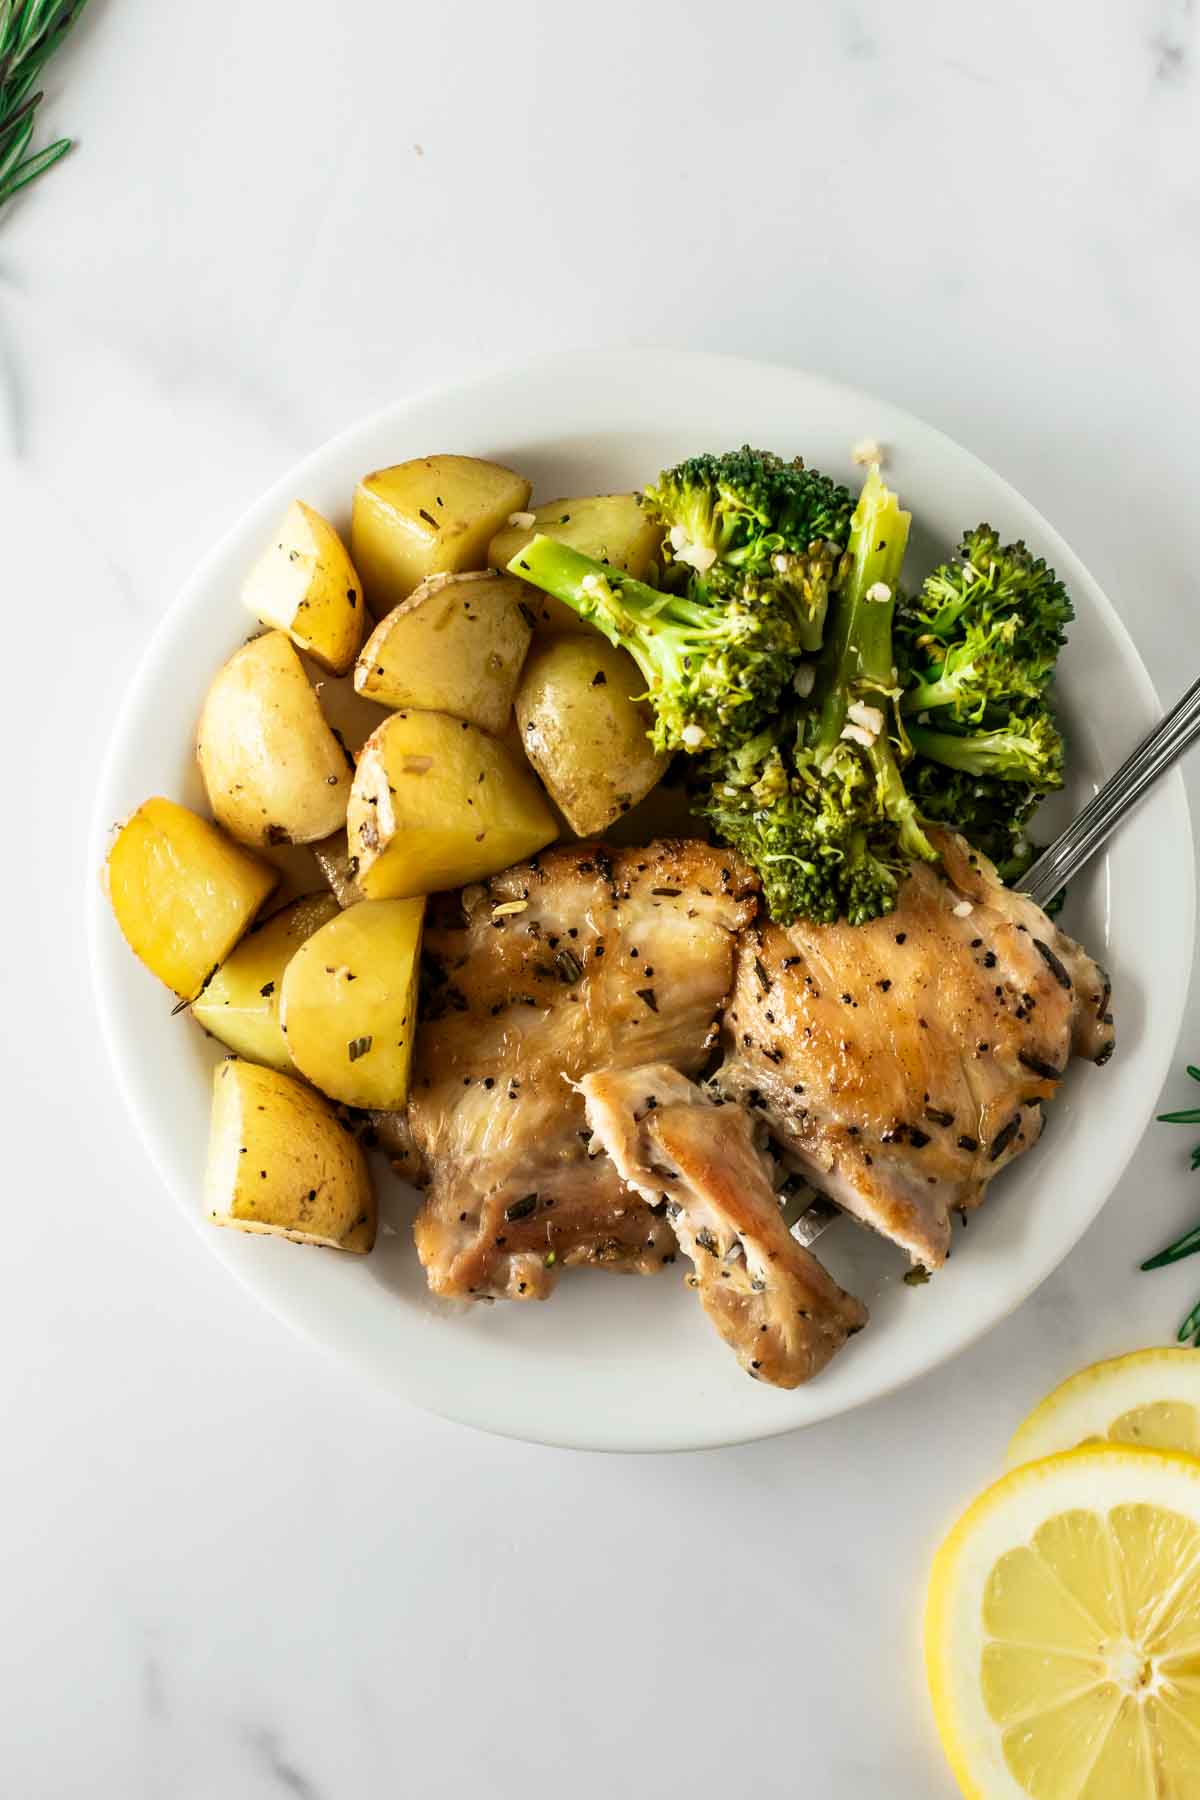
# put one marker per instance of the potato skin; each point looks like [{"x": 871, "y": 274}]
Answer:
[
  {"x": 182, "y": 893},
  {"x": 305, "y": 584},
  {"x": 240, "y": 1005},
  {"x": 583, "y": 730},
  {"x": 456, "y": 645},
  {"x": 612, "y": 527},
  {"x": 279, "y": 1162},
  {"x": 433, "y": 515},
  {"x": 435, "y": 803},
  {"x": 349, "y": 1006},
  {"x": 272, "y": 768}
]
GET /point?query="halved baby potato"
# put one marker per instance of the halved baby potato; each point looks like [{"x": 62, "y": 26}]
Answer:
[
  {"x": 240, "y": 1005},
  {"x": 585, "y": 732},
  {"x": 611, "y": 527},
  {"x": 350, "y": 1002},
  {"x": 305, "y": 584},
  {"x": 435, "y": 803},
  {"x": 456, "y": 645},
  {"x": 279, "y": 1162},
  {"x": 431, "y": 516},
  {"x": 182, "y": 893},
  {"x": 274, "y": 771}
]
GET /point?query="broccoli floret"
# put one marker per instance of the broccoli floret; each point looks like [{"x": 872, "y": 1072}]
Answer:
[
  {"x": 714, "y": 667},
  {"x": 817, "y": 803},
  {"x": 750, "y": 524},
  {"x": 992, "y": 813},
  {"x": 820, "y": 847},
  {"x": 984, "y": 633},
  {"x": 1027, "y": 748}
]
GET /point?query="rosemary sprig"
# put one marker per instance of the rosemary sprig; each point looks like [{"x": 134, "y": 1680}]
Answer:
[
  {"x": 30, "y": 32},
  {"x": 1189, "y": 1243}
]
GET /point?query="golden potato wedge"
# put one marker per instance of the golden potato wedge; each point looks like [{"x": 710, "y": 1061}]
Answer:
[
  {"x": 278, "y": 1161},
  {"x": 612, "y": 527},
  {"x": 436, "y": 802},
  {"x": 182, "y": 893},
  {"x": 305, "y": 584},
  {"x": 240, "y": 1005},
  {"x": 583, "y": 730},
  {"x": 339, "y": 868},
  {"x": 456, "y": 646},
  {"x": 349, "y": 1006},
  {"x": 273, "y": 770},
  {"x": 432, "y": 516}
]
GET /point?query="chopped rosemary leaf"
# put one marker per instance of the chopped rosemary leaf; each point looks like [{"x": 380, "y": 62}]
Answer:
[{"x": 1189, "y": 1243}]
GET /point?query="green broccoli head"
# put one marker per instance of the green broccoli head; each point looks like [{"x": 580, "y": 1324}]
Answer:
[
  {"x": 750, "y": 523},
  {"x": 984, "y": 632},
  {"x": 992, "y": 813},
  {"x": 822, "y": 847},
  {"x": 714, "y": 668}
]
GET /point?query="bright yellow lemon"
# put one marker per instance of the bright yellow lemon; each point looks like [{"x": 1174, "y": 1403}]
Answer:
[
  {"x": 1150, "y": 1398},
  {"x": 1062, "y": 1631}
]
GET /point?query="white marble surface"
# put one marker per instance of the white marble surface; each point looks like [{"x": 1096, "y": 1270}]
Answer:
[{"x": 227, "y": 1570}]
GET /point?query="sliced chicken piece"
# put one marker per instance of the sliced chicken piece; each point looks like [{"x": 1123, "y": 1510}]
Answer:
[
  {"x": 771, "y": 1301},
  {"x": 905, "y": 1062},
  {"x": 583, "y": 958}
]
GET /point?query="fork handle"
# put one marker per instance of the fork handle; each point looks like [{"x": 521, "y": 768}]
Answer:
[{"x": 1119, "y": 795}]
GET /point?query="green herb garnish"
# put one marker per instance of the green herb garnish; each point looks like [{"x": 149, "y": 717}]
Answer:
[
  {"x": 30, "y": 32},
  {"x": 1189, "y": 1243}
]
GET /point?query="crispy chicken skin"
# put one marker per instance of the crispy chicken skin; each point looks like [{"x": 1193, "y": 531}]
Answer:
[
  {"x": 584, "y": 958},
  {"x": 770, "y": 1300},
  {"x": 904, "y": 1062}
]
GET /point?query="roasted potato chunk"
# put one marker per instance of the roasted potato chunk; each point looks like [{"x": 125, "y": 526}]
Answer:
[
  {"x": 182, "y": 893},
  {"x": 456, "y": 646},
  {"x": 611, "y": 527},
  {"x": 305, "y": 584},
  {"x": 350, "y": 1003},
  {"x": 434, "y": 515},
  {"x": 240, "y": 1005},
  {"x": 584, "y": 731},
  {"x": 435, "y": 803},
  {"x": 278, "y": 1161},
  {"x": 272, "y": 767}
]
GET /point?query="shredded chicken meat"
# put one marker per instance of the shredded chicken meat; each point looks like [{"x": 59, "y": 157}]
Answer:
[{"x": 770, "y": 1300}]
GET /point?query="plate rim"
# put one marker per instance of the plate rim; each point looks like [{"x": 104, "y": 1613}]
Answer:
[{"x": 499, "y": 372}]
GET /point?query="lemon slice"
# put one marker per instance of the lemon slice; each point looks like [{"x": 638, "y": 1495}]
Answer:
[
  {"x": 1150, "y": 1398},
  {"x": 1062, "y": 1631}
]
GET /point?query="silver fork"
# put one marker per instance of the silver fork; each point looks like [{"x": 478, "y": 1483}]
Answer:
[{"x": 1156, "y": 753}]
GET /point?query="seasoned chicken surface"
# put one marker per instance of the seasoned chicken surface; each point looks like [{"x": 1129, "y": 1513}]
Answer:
[
  {"x": 770, "y": 1300},
  {"x": 904, "y": 1063},
  {"x": 585, "y": 958}
]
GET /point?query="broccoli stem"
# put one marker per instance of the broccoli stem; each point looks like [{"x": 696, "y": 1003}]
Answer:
[
  {"x": 627, "y": 611},
  {"x": 924, "y": 696},
  {"x": 1008, "y": 754},
  {"x": 857, "y": 663}
]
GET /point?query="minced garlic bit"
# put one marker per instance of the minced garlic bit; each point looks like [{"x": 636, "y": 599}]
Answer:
[
  {"x": 867, "y": 451},
  {"x": 963, "y": 910},
  {"x": 856, "y": 735},
  {"x": 678, "y": 537},
  {"x": 869, "y": 717},
  {"x": 804, "y": 680},
  {"x": 509, "y": 906},
  {"x": 522, "y": 520},
  {"x": 879, "y": 590},
  {"x": 781, "y": 563},
  {"x": 694, "y": 736}
]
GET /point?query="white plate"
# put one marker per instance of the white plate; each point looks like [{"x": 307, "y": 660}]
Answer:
[{"x": 631, "y": 1363}]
